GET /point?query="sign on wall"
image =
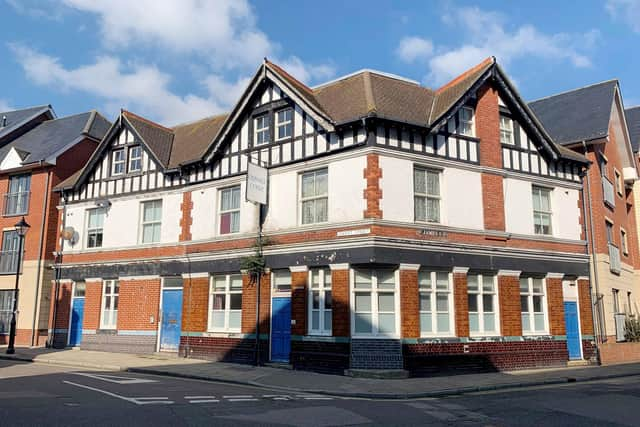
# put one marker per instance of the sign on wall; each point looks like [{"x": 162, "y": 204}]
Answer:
[{"x": 257, "y": 182}]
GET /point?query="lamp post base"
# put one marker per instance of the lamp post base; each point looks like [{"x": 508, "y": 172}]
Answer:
[{"x": 11, "y": 351}]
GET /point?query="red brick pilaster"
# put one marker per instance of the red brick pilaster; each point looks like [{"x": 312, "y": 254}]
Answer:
[
  {"x": 555, "y": 304},
  {"x": 195, "y": 303},
  {"x": 299, "y": 277},
  {"x": 409, "y": 301},
  {"x": 493, "y": 201},
  {"x": 341, "y": 314},
  {"x": 249, "y": 300},
  {"x": 510, "y": 309},
  {"x": 186, "y": 220},
  {"x": 461, "y": 301},
  {"x": 586, "y": 313},
  {"x": 487, "y": 124},
  {"x": 373, "y": 192},
  {"x": 92, "y": 303}
]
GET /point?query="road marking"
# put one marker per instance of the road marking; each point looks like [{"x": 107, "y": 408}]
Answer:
[
  {"x": 137, "y": 401},
  {"x": 199, "y": 397},
  {"x": 115, "y": 379},
  {"x": 243, "y": 400},
  {"x": 205, "y": 401},
  {"x": 150, "y": 398},
  {"x": 313, "y": 397},
  {"x": 239, "y": 396}
]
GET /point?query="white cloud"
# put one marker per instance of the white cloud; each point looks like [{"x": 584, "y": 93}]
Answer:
[
  {"x": 628, "y": 11},
  {"x": 414, "y": 48},
  {"x": 39, "y": 9},
  {"x": 142, "y": 88},
  {"x": 4, "y": 105},
  {"x": 488, "y": 35}
]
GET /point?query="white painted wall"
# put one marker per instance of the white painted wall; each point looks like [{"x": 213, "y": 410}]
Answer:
[{"x": 461, "y": 203}]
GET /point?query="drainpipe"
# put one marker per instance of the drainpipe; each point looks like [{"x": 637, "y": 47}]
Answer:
[
  {"x": 593, "y": 277},
  {"x": 40, "y": 245}
]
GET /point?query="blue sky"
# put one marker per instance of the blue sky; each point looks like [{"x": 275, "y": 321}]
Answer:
[{"x": 175, "y": 61}]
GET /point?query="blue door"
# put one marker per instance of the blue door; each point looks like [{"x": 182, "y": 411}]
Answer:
[
  {"x": 573, "y": 329},
  {"x": 77, "y": 313},
  {"x": 280, "y": 329},
  {"x": 171, "y": 319}
]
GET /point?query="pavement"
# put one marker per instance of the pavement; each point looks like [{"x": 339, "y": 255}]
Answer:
[{"x": 293, "y": 381}]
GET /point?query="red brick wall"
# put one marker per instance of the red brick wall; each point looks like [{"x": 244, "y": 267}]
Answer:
[
  {"x": 63, "y": 305},
  {"x": 186, "y": 220},
  {"x": 409, "y": 303},
  {"x": 138, "y": 301},
  {"x": 510, "y": 310},
  {"x": 461, "y": 303},
  {"x": 487, "y": 122},
  {"x": 586, "y": 314},
  {"x": 195, "y": 304},
  {"x": 249, "y": 304},
  {"x": 92, "y": 303},
  {"x": 373, "y": 192},
  {"x": 612, "y": 353},
  {"x": 299, "y": 302},
  {"x": 555, "y": 307},
  {"x": 341, "y": 316},
  {"x": 493, "y": 201}
]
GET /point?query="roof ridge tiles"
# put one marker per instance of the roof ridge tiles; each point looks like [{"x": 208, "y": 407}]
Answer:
[
  {"x": 192, "y": 122},
  {"x": 145, "y": 120},
  {"x": 465, "y": 74},
  {"x": 288, "y": 76}
]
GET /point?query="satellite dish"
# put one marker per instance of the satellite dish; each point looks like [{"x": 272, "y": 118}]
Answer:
[{"x": 69, "y": 234}]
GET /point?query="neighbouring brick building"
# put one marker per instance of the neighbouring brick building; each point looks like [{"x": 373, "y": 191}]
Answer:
[
  {"x": 406, "y": 228},
  {"x": 37, "y": 152},
  {"x": 591, "y": 121}
]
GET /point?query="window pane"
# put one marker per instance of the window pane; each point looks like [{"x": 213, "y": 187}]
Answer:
[
  {"x": 539, "y": 322},
  {"x": 525, "y": 322},
  {"x": 487, "y": 283},
  {"x": 524, "y": 303},
  {"x": 236, "y": 281},
  {"x": 363, "y": 302},
  {"x": 308, "y": 212},
  {"x": 473, "y": 303},
  {"x": 327, "y": 300},
  {"x": 433, "y": 210},
  {"x": 322, "y": 209},
  {"x": 315, "y": 320},
  {"x": 386, "y": 279},
  {"x": 315, "y": 302},
  {"x": 442, "y": 302},
  {"x": 218, "y": 319},
  {"x": 537, "y": 304},
  {"x": 433, "y": 183},
  {"x": 442, "y": 281},
  {"x": 537, "y": 286},
  {"x": 425, "y": 301},
  {"x": 474, "y": 322},
  {"x": 387, "y": 323},
  {"x": 225, "y": 223},
  {"x": 327, "y": 321},
  {"x": 315, "y": 279},
  {"x": 362, "y": 279},
  {"x": 219, "y": 283},
  {"x": 489, "y": 322},
  {"x": 218, "y": 302},
  {"x": 443, "y": 322},
  {"x": 424, "y": 279},
  {"x": 425, "y": 322},
  {"x": 524, "y": 285},
  {"x": 419, "y": 181},
  {"x": 235, "y": 319},
  {"x": 235, "y": 301},
  {"x": 308, "y": 185},
  {"x": 327, "y": 278},
  {"x": 386, "y": 302},
  {"x": 363, "y": 323},
  {"x": 420, "y": 208},
  {"x": 322, "y": 182},
  {"x": 487, "y": 303},
  {"x": 235, "y": 222},
  {"x": 472, "y": 283}
]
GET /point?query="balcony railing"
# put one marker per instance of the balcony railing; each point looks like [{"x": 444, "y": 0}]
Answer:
[
  {"x": 16, "y": 203},
  {"x": 609, "y": 192},
  {"x": 8, "y": 262},
  {"x": 614, "y": 259}
]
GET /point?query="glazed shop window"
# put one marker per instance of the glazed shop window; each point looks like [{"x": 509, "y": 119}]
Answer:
[
  {"x": 436, "y": 303},
  {"x": 533, "y": 306},
  {"x": 483, "y": 304},
  {"x": 374, "y": 296},
  {"x": 225, "y": 303},
  {"x": 320, "y": 302},
  {"x": 109, "y": 314}
]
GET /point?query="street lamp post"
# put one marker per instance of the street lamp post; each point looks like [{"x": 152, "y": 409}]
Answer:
[{"x": 21, "y": 229}]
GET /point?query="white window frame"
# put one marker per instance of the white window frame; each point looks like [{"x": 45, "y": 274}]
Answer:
[
  {"x": 539, "y": 212},
  {"x": 90, "y": 230},
  {"x": 506, "y": 131},
  {"x": 228, "y": 291},
  {"x": 471, "y": 122},
  {"x": 374, "y": 292},
  {"x": 111, "y": 295},
  {"x": 530, "y": 313},
  {"x": 425, "y": 197},
  {"x": 284, "y": 123},
  {"x": 322, "y": 290},
  {"x": 133, "y": 159},
  {"x": 121, "y": 162},
  {"x": 624, "y": 242},
  {"x": 264, "y": 129},
  {"x": 432, "y": 275},
  {"x": 229, "y": 211},
  {"x": 152, "y": 222},
  {"x": 479, "y": 294},
  {"x": 275, "y": 291},
  {"x": 314, "y": 198}
]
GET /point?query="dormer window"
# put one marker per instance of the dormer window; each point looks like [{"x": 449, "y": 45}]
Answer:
[
  {"x": 262, "y": 130},
  {"x": 465, "y": 121},
  {"x": 284, "y": 124},
  {"x": 135, "y": 159},
  {"x": 117, "y": 162}
]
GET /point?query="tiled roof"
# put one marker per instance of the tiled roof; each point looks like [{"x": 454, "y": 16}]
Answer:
[
  {"x": 633, "y": 123},
  {"x": 579, "y": 115},
  {"x": 51, "y": 136},
  {"x": 191, "y": 140},
  {"x": 16, "y": 118},
  {"x": 157, "y": 138}
]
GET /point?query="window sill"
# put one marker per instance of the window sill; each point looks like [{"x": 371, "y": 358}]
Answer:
[
  {"x": 536, "y": 334},
  {"x": 484, "y": 335},
  {"x": 375, "y": 337},
  {"x": 217, "y": 333},
  {"x": 434, "y": 336},
  {"x": 319, "y": 334},
  {"x": 12, "y": 215}
]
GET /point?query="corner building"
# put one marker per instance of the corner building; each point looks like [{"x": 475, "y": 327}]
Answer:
[{"x": 398, "y": 235}]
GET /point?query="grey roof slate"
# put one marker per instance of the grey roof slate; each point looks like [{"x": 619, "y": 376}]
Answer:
[
  {"x": 633, "y": 123},
  {"x": 579, "y": 115},
  {"x": 16, "y": 118},
  {"x": 51, "y": 136}
]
